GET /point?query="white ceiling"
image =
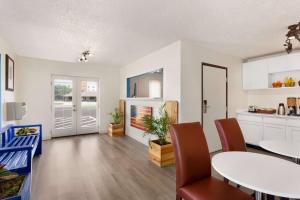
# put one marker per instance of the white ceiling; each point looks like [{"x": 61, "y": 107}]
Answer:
[{"x": 120, "y": 31}]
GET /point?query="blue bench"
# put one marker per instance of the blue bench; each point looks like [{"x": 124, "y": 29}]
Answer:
[{"x": 16, "y": 152}]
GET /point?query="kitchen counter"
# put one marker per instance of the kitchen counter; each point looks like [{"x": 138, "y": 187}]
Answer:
[{"x": 245, "y": 112}]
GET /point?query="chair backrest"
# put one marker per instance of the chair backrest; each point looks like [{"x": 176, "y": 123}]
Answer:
[
  {"x": 191, "y": 153},
  {"x": 231, "y": 135}
]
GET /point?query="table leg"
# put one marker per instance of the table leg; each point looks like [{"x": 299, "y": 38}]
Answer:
[
  {"x": 296, "y": 160},
  {"x": 258, "y": 195}
]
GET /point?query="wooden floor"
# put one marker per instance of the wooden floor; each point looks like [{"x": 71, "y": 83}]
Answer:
[
  {"x": 99, "y": 167},
  {"x": 93, "y": 167}
]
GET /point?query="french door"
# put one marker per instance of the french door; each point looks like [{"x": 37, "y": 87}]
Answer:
[{"x": 75, "y": 106}]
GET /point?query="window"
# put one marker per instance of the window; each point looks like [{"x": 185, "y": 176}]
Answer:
[{"x": 154, "y": 89}]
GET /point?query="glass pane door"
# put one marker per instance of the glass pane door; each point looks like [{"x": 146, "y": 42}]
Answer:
[
  {"x": 64, "y": 120},
  {"x": 87, "y": 106}
]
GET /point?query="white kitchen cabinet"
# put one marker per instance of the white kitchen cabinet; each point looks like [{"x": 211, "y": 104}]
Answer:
[
  {"x": 274, "y": 132},
  {"x": 293, "y": 133},
  {"x": 255, "y": 75},
  {"x": 293, "y": 61},
  {"x": 277, "y": 64},
  {"x": 260, "y": 74},
  {"x": 252, "y": 132},
  {"x": 257, "y": 127}
]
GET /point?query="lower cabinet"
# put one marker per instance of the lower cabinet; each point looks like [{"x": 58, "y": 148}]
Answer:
[
  {"x": 274, "y": 132},
  {"x": 293, "y": 133},
  {"x": 256, "y": 128},
  {"x": 252, "y": 132}
]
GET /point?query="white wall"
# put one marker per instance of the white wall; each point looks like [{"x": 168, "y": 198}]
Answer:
[
  {"x": 192, "y": 57},
  {"x": 33, "y": 77},
  {"x": 271, "y": 98},
  {"x": 168, "y": 58},
  {"x": 6, "y": 96}
]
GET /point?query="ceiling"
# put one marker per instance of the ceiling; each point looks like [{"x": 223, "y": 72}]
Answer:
[{"x": 121, "y": 31}]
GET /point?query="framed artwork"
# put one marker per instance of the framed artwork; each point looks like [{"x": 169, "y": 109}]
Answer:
[
  {"x": 137, "y": 113},
  {"x": 9, "y": 73}
]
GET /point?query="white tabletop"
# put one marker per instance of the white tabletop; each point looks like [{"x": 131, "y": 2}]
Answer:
[
  {"x": 286, "y": 148},
  {"x": 262, "y": 173}
]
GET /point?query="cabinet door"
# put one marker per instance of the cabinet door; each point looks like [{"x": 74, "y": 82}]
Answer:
[
  {"x": 277, "y": 64},
  {"x": 293, "y": 133},
  {"x": 252, "y": 132},
  {"x": 255, "y": 75},
  {"x": 274, "y": 132},
  {"x": 293, "y": 61}
]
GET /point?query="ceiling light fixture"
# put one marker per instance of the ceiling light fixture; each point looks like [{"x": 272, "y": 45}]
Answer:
[
  {"x": 84, "y": 56},
  {"x": 293, "y": 33}
]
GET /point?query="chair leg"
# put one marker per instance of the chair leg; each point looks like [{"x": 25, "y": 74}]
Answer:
[
  {"x": 269, "y": 197},
  {"x": 226, "y": 180}
]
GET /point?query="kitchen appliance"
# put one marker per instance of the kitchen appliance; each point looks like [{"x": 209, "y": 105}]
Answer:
[
  {"x": 298, "y": 106},
  {"x": 252, "y": 109},
  {"x": 281, "y": 109},
  {"x": 291, "y": 105}
]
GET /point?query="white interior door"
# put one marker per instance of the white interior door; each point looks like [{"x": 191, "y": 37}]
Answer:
[
  {"x": 87, "y": 106},
  {"x": 75, "y": 106},
  {"x": 214, "y": 102},
  {"x": 63, "y": 106}
]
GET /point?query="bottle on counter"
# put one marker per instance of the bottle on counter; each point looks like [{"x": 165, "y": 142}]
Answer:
[{"x": 281, "y": 109}]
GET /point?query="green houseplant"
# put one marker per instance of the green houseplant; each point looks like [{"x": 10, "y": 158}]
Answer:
[
  {"x": 116, "y": 116},
  {"x": 160, "y": 150},
  {"x": 116, "y": 128},
  {"x": 158, "y": 126}
]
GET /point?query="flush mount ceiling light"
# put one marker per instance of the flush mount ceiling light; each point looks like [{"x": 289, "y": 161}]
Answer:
[
  {"x": 84, "y": 56},
  {"x": 293, "y": 33}
]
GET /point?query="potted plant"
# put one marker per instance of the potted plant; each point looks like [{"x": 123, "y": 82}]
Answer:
[
  {"x": 160, "y": 150},
  {"x": 116, "y": 128}
]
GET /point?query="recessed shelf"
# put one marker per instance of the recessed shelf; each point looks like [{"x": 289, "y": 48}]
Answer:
[{"x": 285, "y": 88}]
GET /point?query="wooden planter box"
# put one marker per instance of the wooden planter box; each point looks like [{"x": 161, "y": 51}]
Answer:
[
  {"x": 24, "y": 193},
  {"x": 116, "y": 130},
  {"x": 161, "y": 155}
]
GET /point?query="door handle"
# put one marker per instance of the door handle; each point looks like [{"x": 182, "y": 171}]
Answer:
[
  {"x": 204, "y": 106},
  {"x": 74, "y": 108}
]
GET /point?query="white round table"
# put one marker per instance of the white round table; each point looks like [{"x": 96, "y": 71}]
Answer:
[
  {"x": 285, "y": 148},
  {"x": 261, "y": 173}
]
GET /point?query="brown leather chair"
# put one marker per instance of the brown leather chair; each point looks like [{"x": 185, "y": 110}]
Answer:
[
  {"x": 193, "y": 167},
  {"x": 231, "y": 135}
]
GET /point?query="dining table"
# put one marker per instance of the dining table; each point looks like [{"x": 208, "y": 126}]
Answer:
[
  {"x": 282, "y": 147},
  {"x": 261, "y": 173}
]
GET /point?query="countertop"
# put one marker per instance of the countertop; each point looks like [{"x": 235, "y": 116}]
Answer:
[{"x": 245, "y": 112}]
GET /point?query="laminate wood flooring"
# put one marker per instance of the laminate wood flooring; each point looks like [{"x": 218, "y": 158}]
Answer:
[
  {"x": 92, "y": 167},
  {"x": 98, "y": 167}
]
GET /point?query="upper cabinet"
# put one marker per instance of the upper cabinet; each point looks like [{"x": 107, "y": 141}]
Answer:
[
  {"x": 293, "y": 61},
  {"x": 255, "y": 75},
  {"x": 277, "y": 64},
  {"x": 260, "y": 74}
]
